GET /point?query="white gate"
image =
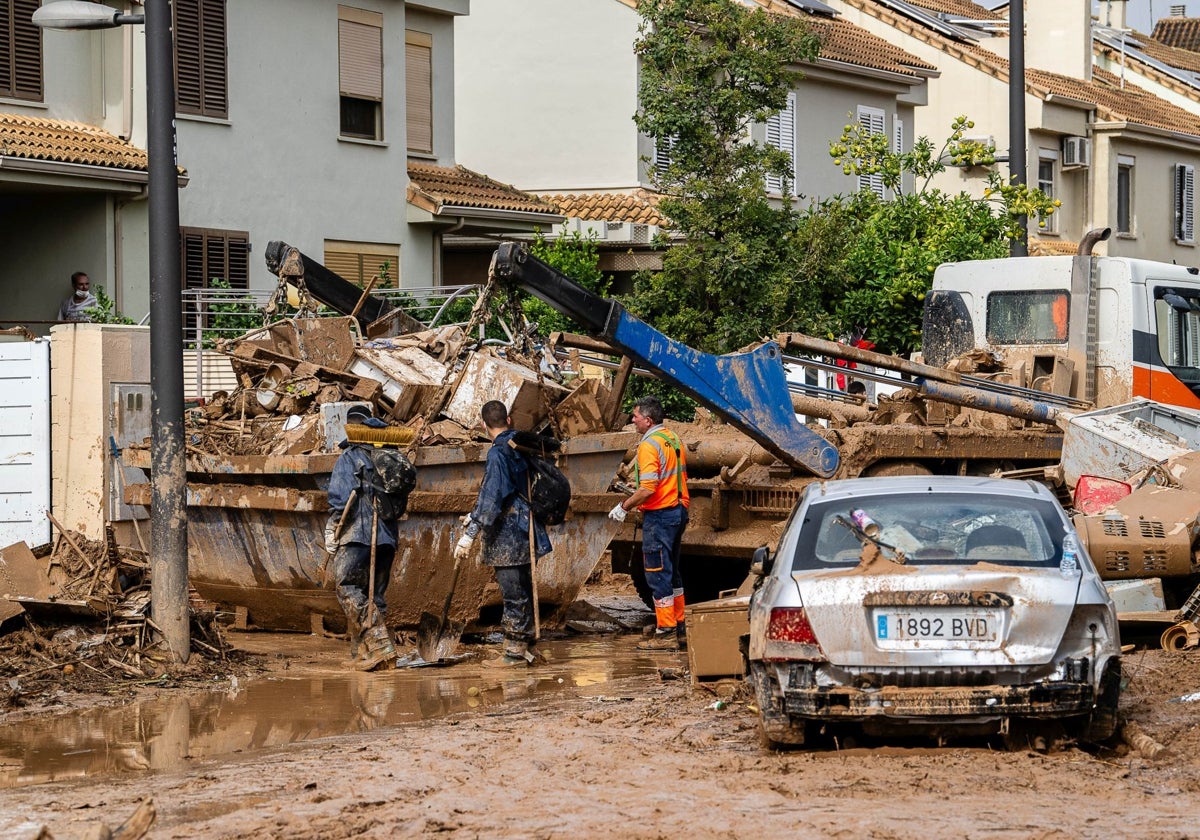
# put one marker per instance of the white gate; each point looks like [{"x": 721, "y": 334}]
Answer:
[{"x": 24, "y": 442}]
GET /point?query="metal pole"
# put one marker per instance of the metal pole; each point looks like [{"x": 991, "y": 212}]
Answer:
[
  {"x": 168, "y": 557},
  {"x": 1019, "y": 247}
]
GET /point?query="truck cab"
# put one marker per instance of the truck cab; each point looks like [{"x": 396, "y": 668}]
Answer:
[{"x": 1105, "y": 329}]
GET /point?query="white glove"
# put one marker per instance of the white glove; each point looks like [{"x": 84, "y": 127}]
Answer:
[
  {"x": 463, "y": 548},
  {"x": 331, "y": 542},
  {"x": 617, "y": 514}
]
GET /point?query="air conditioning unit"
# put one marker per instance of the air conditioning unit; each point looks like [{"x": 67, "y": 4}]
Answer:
[{"x": 1076, "y": 152}]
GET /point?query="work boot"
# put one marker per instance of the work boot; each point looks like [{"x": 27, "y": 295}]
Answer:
[
  {"x": 664, "y": 639},
  {"x": 681, "y": 634},
  {"x": 378, "y": 650},
  {"x": 516, "y": 652}
]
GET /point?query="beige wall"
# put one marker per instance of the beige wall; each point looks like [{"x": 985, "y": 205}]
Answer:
[{"x": 85, "y": 360}]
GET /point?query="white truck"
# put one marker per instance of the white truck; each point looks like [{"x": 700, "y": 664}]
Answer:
[{"x": 1127, "y": 327}]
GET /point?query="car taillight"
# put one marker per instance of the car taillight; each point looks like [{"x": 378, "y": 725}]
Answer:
[{"x": 790, "y": 624}]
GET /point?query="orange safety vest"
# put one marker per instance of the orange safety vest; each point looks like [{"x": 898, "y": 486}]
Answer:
[{"x": 660, "y": 458}]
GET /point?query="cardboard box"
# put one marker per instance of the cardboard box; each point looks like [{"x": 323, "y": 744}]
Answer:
[{"x": 713, "y": 632}]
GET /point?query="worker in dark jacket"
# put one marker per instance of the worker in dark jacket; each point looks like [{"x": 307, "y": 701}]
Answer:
[
  {"x": 350, "y": 487},
  {"x": 501, "y": 516}
]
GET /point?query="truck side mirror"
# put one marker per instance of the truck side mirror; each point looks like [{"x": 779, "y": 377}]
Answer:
[{"x": 762, "y": 562}]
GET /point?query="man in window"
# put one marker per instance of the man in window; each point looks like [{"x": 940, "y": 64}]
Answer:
[{"x": 75, "y": 307}]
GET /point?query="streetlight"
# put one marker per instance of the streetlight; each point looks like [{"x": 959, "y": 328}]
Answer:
[{"x": 168, "y": 472}]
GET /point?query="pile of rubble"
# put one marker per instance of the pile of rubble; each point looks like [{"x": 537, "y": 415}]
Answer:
[
  {"x": 77, "y": 611},
  {"x": 298, "y": 377}
]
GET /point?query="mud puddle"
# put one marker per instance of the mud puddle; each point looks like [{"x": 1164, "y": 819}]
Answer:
[{"x": 320, "y": 701}]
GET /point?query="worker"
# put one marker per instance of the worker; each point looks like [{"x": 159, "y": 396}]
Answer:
[
  {"x": 501, "y": 514},
  {"x": 350, "y": 540},
  {"x": 662, "y": 496}
]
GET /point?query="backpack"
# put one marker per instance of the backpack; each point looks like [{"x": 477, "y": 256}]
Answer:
[
  {"x": 549, "y": 491},
  {"x": 393, "y": 479}
]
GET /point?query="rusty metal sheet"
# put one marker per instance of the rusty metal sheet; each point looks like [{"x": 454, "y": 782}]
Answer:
[{"x": 259, "y": 545}]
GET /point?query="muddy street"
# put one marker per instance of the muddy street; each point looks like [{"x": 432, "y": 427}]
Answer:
[{"x": 602, "y": 741}]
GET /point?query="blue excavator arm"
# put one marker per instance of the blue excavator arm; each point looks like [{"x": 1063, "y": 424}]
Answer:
[{"x": 747, "y": 389}]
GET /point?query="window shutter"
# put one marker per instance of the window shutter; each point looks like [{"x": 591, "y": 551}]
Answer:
[
  {"x": 188, "y": 76},
  {"x": 358, "y": 262},
  {"x": 214, "y": 59},
  {"x": 1185, "y": 228},
  {"x": 201, "y": 74},
  {"x": 898, "y": 135},
  {"x": 418, "y": 81},
  {"x": 20, "y": 51},
  {"x": 662, "y": 152},
  {"x": 781, "y": 134},
  {"x": 872, "y": 121},
  {"x": 774, "y": 132},
  {"x": 360, "y": 60}
]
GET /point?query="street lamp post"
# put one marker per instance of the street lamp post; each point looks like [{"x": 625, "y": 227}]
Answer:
[{"x": 168, "y": 473}]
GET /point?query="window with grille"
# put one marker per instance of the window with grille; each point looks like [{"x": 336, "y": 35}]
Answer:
[
  {"x": 201, "y": 65},
  {"x": 360, "y": 73},
  {"x": 781, "y": 134},
  {"x": 358, "y": 262},
  {"x": 872, "y": 122},
  {"x": 20, "y": 51},
  {"x": 418, "y": 90},
  {"x": 1185, "y": 219}
]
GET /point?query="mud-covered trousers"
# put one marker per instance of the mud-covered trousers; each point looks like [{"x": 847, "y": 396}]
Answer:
[
  {"x": 662, "y": 541},
  {"x": 516, "y": 590},
  {"x": 351, "y": 572}
]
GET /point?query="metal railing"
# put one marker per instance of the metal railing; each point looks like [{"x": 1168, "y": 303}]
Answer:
[{"x": 210, "y": 315}]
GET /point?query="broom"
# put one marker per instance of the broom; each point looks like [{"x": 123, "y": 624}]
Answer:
[{"x": 391, "y": 436}]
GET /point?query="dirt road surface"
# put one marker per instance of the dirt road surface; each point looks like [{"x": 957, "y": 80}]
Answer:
[{"x": 640, "y": 756}]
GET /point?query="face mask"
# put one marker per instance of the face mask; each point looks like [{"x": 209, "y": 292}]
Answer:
[{"x": 81, "y": 293}]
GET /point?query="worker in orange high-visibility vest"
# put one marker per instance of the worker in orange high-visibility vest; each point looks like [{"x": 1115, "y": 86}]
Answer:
[{"x": 662, "y": 497}]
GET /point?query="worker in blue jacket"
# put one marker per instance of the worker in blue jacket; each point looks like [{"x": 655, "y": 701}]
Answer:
[
  {"x": 501, "y": 516},
  {"x": 350, "y": 546}
]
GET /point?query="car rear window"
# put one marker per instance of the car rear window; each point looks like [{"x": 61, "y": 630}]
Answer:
[{"x": 935, "y": 529}]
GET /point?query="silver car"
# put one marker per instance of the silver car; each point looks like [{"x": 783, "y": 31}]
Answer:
[{"x": 932, "y": 605}]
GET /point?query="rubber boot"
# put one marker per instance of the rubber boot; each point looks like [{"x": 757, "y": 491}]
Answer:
[
  {"x": 378, "y": 649},
  {"x": 354, "y": 632},
  {"x": 665, "y": 640},
  {"x": 516, "y": 654}
]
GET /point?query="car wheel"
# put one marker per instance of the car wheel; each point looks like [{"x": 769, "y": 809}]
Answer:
[
  {"x": 776, "y": 729},
  {"x": 1103, "y": 721}
]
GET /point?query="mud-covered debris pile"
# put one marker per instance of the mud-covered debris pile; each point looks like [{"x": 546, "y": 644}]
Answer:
[
  {"x": 298, "y": 377},
  {"x": 76, "y": 615}
]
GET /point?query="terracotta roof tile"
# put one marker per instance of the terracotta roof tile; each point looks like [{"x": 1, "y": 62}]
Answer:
[
  {"x": 1174, "y": 56},
  {"x": 639, "y": 207},
  {"x": 434, "y": 187},
  {"x": 1180, "y": 32},
  {"x": 36, "y": 138},
  {"x": 843, "y": 41},
  {"x": 957, "y": 8},
  {"x": 1052, "y": 247},
  {"x": 1128, "y": 104}
]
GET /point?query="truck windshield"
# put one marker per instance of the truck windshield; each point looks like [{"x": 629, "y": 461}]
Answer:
[
  {"x": 936, "y": 529},
  {"x": 1034, "y": 317}
]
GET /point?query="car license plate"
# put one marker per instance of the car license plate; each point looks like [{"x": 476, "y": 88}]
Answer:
[{"x": 941, "y": 624}]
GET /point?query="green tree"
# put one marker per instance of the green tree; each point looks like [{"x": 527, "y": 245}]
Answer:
[
  {"x": 870, "y": 262},
  {"x": 710, "y": 70}
]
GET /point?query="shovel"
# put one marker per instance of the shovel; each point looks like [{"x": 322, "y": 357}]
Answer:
[{"x": 437, "y": 636}]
